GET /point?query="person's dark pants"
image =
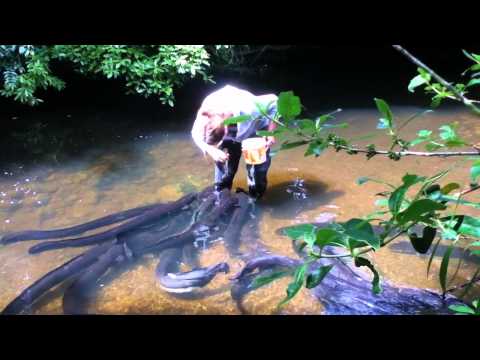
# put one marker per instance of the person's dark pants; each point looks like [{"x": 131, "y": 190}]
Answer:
[{"x": 256, "y": 174}]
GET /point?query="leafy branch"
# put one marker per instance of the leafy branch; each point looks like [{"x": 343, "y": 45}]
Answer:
[
  {"x": 455, "y": 92},
  {"x": 432, "y": 212}
]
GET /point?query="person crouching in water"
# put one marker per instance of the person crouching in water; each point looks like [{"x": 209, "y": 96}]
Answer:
[{"x": 224, "y": 143}]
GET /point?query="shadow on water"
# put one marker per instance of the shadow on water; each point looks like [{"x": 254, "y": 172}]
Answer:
[
  {"x": 128, "y": 164},
  {"x": 285, "y": 199}
]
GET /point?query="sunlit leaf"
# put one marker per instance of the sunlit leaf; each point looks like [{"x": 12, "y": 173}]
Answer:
[
  {"x": 362, "y": 231},
  {"x": 289, "y": 105},
  {"x": 416, "y": 82},
  {"x": 386, "y": 112},
  {"x": 473, "y": 82},
  {"x": 295, "y": 286},
  {"x": 327, "y": 236},
  {"x": 449, "y": 188},
  {"x": 298, "y": 231},
  {"x": 419, "y": 208},
  {"x": 462, "y": 309},
  {"x": 316, "y": 277},
  {"x": 475, "y": 171}
]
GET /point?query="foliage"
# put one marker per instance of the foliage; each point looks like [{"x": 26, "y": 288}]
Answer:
[
  {"x": 420, "y": 207},
  {"x": 148, "y": 70},
  {"x": 467, "y": 310}
]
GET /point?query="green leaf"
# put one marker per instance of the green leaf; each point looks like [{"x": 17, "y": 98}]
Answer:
[
  {"x": 383, "y": 124},
  {"x": 315, "y": 148},
  {"x": 377, "y": 288},
  {"x": 306, "y": 124},
  {"x": 295, "y": 286},
  {"x": 449, "y": 234},
  {"x": 422, "y": 244},
  {"x": 298, "y": 231},
  {"x": 361, "y": 230},
  {"x": 322, "y": 120},
  {"x": 396, "y": 198},
  {"x": 316, "y": 277},
  {"x": 449, "y": 188},
  {"x": 475, "y": 171},
  {"x": 289, "y": 105},
  {"x": 386, "y": 112},
  {"x": 473, "y": 82},
  {"x": 416, "y": 82},
  {"x": 462, "y": 309},
  {"x": 436, "y": 101},
  {"x": 449, "y": 135},
  {"x": 381, "y": 202},
  {"x": 417, "y": 209},
  {"x": 261, "y": 281},
  {"x": 470, "y": 226},
  {"x": 310, "y": 238},
  {"x": 426, "y": 75},
  {"x": 444, "y": 268},
  {"x": 327, "y": 236},
  {"x": 424, "y": 133},
  {"x": 237, "y": 119},
  {"x": 262, "y": 108},
  {"x": 458, "y": 200}
]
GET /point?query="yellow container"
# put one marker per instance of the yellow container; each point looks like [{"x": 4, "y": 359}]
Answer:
[{"x": 254, "y": 151}]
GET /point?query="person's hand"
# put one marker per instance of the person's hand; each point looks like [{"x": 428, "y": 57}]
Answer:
[
  {"x": 217, "y": 155},
  {"x": 270, "y": 141}
]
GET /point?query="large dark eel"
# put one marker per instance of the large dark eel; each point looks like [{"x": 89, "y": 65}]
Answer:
[
  {"x": 347, "y": 290},
  {"x": 78, "y": 229},
  {"x": 55, "y": 277},
  {"x": 188, "y": 236},
  {"x": 76, "y": 297},
  {"x": 231, "y": 235},
  {"x": 140, "y": 220},
  {"x": 172, "y": 281},
  {"x": 143, "y": 244}
]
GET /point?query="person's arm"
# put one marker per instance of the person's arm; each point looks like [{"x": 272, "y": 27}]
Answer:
[
  {"x": 271, "y": 139},
  {"x": 198, "y": 135},
  {"x": 198, "y": 132}
]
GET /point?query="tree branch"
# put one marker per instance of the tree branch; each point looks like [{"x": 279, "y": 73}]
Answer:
[
  {"x": 458, "y": 95},
  {"x": 413, "y": 153},
  {"x": 471, "y": 282}
]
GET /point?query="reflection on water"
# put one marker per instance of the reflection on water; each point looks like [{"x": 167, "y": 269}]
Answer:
[{"x": 161, "y": 167}]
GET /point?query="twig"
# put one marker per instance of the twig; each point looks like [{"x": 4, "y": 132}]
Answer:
[
  {"x": 412, "y": 153},
  {"x": 458, "y": 287},
  {"x": 458, "y": 95},
  {"x": 468, "y": 191}
]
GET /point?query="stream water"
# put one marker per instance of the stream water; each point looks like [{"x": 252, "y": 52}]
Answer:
[{"x": 151, "y": 166}]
